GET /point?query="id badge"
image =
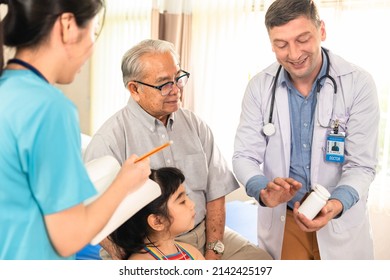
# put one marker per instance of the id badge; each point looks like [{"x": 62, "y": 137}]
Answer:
[{"x": 335, "y": 147}]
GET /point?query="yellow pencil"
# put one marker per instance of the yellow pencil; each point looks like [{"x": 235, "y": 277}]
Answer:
[{"x": 155, "y": 150}]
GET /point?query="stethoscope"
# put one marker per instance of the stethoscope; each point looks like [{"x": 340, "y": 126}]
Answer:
[{"x": 269, "y": 128}]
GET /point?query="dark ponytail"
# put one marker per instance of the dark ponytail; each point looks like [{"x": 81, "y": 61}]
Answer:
[
  {"x": 2, "y": 41},
  {"x": 28, "y": 22}
]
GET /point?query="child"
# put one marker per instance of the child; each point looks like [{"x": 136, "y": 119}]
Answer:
[{"x": 150, "y": 233}]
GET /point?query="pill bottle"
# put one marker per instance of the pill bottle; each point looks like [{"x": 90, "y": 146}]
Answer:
[{"x": 313, "y": 204}]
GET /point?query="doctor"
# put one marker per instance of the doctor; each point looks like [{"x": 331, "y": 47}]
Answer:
[{"x": 292, "y": 113}]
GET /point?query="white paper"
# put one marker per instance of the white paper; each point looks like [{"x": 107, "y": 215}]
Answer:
[{"x": 102, "y": 172}]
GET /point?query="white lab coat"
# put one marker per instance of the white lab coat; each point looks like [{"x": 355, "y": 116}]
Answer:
[{"x": 356, "y": 107}]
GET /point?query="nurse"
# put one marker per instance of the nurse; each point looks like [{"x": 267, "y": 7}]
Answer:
[
  {"x": 43, "y": 181},
  {"x": 288, "y": 125}
]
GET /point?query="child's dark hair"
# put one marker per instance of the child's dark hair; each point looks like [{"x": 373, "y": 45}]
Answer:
[{"x": 129, "y": 237}]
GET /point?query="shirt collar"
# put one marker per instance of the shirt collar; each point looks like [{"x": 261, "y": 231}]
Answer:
[
  {"x": 145, "y": 118},
  {"x": 285, "y": 80}
]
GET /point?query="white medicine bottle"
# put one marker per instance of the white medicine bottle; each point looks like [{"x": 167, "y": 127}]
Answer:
[{"x": 313, "y": 204}]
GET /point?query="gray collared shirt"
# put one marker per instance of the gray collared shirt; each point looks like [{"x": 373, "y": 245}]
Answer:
[{"x": 194, "y": 152}]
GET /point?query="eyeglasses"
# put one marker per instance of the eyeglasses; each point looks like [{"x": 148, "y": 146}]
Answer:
[{"x": 166, "y": 88}]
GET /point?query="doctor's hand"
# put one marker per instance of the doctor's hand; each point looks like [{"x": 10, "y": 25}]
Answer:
[
  {"x": 279, "y": 190},
  {"x": 331, "y": 209}
]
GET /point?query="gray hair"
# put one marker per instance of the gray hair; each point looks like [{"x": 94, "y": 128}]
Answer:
[
  {"x": 132, "y": 68},
  {"x": 283, "y": 11}
]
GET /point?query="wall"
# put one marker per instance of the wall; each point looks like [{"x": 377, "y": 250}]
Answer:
[{"x": 79, "y": 91}]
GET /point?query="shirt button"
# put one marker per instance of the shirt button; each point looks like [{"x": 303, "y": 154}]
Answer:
[
  {"x": 304, "y": 145},
  {"x": 307, "y": 166},
  {"x": 168, "y": 161},
  {"x": 163, "y": 136},
  {"x": 305, "y": 124},
  {"x": 282, "y": 218}
]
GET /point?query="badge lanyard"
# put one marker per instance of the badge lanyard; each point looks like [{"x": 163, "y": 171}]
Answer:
[{"x": 28, "y": 66}]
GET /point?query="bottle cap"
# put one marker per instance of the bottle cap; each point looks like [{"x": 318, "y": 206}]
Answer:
[{"x": 321, "y": 191}]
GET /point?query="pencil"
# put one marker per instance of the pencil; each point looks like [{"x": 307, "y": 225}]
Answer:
[{"x": 155, "y": 150}]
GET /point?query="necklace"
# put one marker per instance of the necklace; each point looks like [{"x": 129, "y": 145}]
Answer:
[
  {"x": 28, "y": 66},
  {"x": 165, "y": 257}
]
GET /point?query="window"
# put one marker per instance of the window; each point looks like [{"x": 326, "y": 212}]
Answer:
[{"x": 126, "y": 23}]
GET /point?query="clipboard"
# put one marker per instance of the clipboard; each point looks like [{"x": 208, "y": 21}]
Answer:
[{"x": 102, "y": 171}]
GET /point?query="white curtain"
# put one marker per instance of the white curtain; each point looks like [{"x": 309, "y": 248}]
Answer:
[
  {"x": 172, "y": 21},
  {"x": 229, "y": 46},
  {"x": 126, "y": 23}
]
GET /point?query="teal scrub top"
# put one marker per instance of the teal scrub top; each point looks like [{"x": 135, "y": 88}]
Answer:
[{"x": 41, "y": 167}]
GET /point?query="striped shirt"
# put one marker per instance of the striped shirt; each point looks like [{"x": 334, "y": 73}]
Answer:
[{"x": 181, "y": 254}]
